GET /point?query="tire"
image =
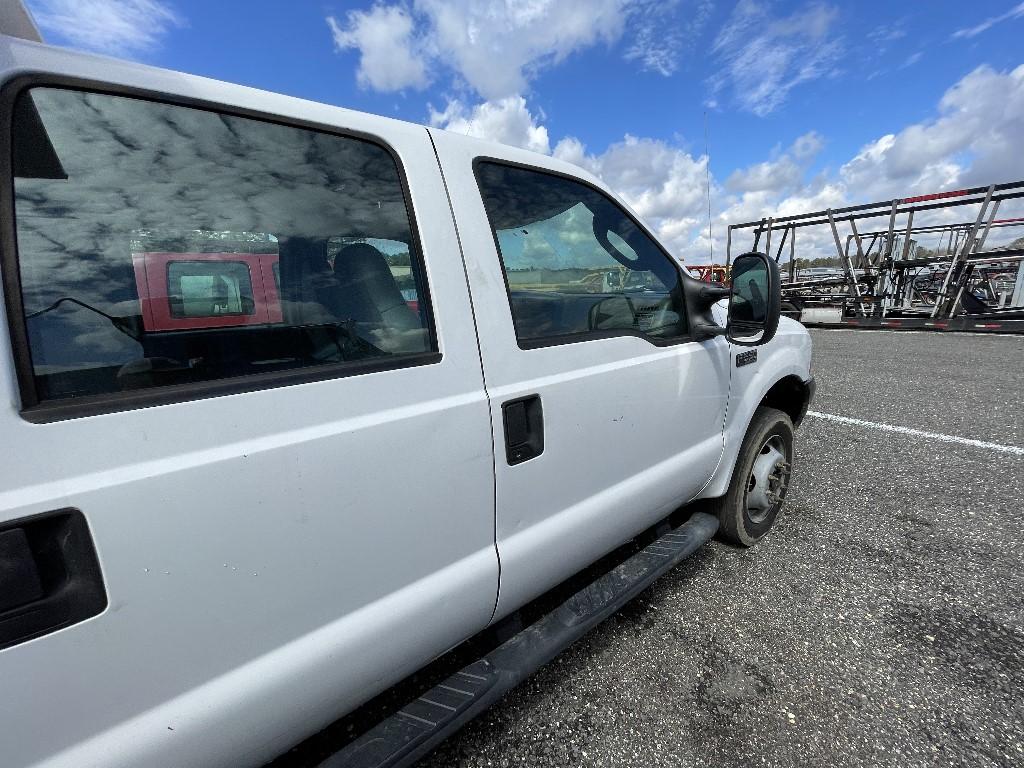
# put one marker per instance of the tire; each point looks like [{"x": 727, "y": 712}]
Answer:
[{"x": 749, "y": 508}]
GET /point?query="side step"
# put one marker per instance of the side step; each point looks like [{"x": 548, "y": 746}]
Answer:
[{"x": 423, "y": 724}]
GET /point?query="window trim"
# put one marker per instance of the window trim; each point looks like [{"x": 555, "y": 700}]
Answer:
[
  {"x": 576, "y": 338},
  {"x": 38, "y": 411}
]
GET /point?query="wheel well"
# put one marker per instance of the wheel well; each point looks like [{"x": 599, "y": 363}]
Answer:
[{"x": 790, "y": 396}]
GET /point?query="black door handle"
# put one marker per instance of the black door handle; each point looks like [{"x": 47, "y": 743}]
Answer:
[
  {"x": 49, "y": 575},
  {"x": 524, "y": 428}
]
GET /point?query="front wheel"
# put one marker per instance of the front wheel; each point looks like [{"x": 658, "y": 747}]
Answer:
[{"x": 759, "y": 481}]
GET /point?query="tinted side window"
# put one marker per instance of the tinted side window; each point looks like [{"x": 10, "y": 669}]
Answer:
[
  {"x": 576, "y": 264},
  {"x": 160, "y": 244}
]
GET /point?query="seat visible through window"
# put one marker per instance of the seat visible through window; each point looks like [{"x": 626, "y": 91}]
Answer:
[{"x": 367, "y": 292}]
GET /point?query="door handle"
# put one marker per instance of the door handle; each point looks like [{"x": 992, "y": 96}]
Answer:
[
  {"x": 523, "y": 420},
  {"x": 49, "y": 575}
]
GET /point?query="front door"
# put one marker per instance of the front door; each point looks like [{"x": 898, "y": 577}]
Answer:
[{"x": 606, "y": 414}]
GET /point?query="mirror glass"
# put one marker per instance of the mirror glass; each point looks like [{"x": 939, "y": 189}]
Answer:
[{"x": 748, "y": 305}]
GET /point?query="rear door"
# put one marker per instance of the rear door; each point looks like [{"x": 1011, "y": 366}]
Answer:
[
  {"x": 606, "y": 414},
  {"x": 227, "y": 532}
]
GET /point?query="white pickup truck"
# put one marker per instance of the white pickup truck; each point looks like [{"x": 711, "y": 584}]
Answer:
[{"x": 295, "y": 400}]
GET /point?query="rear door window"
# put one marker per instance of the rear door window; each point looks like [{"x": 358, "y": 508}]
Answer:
[{"x": 160, "y": 245}]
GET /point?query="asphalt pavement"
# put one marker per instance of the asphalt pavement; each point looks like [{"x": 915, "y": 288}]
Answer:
[{"x": 881, "y": 623}]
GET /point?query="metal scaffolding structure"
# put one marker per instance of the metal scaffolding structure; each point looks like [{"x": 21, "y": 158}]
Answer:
[{"x": 883, "y": 272}]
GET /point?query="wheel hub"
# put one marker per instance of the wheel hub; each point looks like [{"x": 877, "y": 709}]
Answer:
[{"x": 769, "y": 479}]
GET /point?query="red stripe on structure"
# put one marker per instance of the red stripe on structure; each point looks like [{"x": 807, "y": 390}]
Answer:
[{"x": 934, "y": 196}]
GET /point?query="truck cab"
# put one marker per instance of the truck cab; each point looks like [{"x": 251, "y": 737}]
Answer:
[{"x": 284, "y": 384}]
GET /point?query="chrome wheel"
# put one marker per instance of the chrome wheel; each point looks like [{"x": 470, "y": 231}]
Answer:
[{"x": 769, "y": 478}]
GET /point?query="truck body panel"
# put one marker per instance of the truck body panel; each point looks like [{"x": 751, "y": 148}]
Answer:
[{"x": 276, "y": 549}]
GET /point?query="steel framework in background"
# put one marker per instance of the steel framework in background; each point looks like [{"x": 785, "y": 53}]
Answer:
[
  {"x": 881, "y": 270},
  {"x": 901, "y": 284}
]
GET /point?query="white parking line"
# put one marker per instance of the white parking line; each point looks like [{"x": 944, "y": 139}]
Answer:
[{"x": 1016, "y": 450}]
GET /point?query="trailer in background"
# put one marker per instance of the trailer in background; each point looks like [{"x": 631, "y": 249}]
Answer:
[{"x": 886, "y": 278}]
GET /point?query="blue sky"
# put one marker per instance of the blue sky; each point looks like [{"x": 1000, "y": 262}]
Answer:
[{"x": 807, "y": 103}]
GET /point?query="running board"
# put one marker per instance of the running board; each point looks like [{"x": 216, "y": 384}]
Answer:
[{"x": 423, "y": 724}]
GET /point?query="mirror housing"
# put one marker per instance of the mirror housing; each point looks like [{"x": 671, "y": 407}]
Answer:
[{"x": 755, "y": 300}]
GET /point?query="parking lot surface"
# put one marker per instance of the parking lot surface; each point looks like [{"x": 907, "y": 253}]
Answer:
[{"x": 881, "y": 623}]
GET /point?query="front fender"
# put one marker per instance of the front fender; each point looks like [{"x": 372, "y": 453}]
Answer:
[{"x": 786, "y": 355}]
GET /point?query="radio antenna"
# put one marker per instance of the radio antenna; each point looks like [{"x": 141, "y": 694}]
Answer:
[{"x": 707, "y": 182}]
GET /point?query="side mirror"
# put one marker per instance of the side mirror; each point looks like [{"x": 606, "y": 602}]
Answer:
[{"x": 755, "y": 300}]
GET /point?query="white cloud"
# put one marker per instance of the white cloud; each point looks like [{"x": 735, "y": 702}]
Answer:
[
  {"x": 507, "y": 120},
  {"x": 764, "y": 56},
  {"x": 664, "y": 184},
  {"x": 968, "y": 32},
  {"x": 495, "y": 46},
  {"x": 975, "y": 139},
  {"x": 660, "y": 181},
  {"x": 912, "y": 59},
  {"x": 118, "y": 27},
  {"x": 786, "y": 171},
  {"x": 661, "y": 34},
  {"x": 887, "y": 33},
  {"x": 390, "y": 57},
  {"x": 492, "y": 46}
]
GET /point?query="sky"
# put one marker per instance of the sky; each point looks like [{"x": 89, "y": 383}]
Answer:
[{"x": 803, "y": 105}]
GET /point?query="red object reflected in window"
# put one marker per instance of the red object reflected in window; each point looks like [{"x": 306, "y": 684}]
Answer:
[{"x": 185, "y": 291}]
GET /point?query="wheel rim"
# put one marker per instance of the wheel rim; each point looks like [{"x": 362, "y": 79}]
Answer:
[{"x": 769, "y": 479}]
